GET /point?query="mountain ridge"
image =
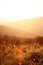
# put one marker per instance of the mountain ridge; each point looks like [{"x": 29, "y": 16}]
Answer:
[
  {"x": 6, "y": 30},
  {"x": 29, "y": 25}
]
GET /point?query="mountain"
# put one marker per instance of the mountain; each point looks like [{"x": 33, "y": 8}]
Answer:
[
  {"x": 30, "y": 25},
  {"x": 6, "y": 30}
]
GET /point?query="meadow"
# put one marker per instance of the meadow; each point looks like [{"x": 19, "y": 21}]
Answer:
[{"x": 21, "y": 51}]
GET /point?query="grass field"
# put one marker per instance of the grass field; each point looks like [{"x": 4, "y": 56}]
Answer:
[{"x": 20, "y": 54}]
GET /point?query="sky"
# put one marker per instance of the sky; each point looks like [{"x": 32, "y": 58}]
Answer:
[{"x": 20, "y": 9}]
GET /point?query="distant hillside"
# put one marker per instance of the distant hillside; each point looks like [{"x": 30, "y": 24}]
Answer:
[
  {"x": 5, "y": 30},
  {"x": 30, "y": 25}
]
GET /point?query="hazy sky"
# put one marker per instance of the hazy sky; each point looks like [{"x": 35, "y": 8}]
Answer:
[{"x": 20, "y": 9}]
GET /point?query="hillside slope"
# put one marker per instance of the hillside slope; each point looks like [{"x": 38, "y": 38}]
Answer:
[{"x": 5, "y": 30}]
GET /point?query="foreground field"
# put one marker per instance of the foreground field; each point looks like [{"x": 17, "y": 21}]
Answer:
[{"x": 20, "y": 53}]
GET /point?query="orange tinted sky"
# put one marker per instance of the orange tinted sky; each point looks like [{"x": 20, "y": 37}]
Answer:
[
  {"x": 20, "y": 9},
  {"x": 11, "y": 10}
]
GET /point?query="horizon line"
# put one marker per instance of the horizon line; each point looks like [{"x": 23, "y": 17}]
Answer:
[{"x": 3, "y": 19}]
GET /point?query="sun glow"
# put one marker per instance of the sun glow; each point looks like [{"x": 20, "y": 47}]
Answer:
[{"x": 20, "y": 9}]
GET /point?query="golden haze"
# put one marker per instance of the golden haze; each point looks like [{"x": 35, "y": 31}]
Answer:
[{"x": 31, "y": 25}]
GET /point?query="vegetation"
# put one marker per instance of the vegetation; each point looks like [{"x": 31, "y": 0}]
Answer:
[{"x": 21, "y": 51}]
